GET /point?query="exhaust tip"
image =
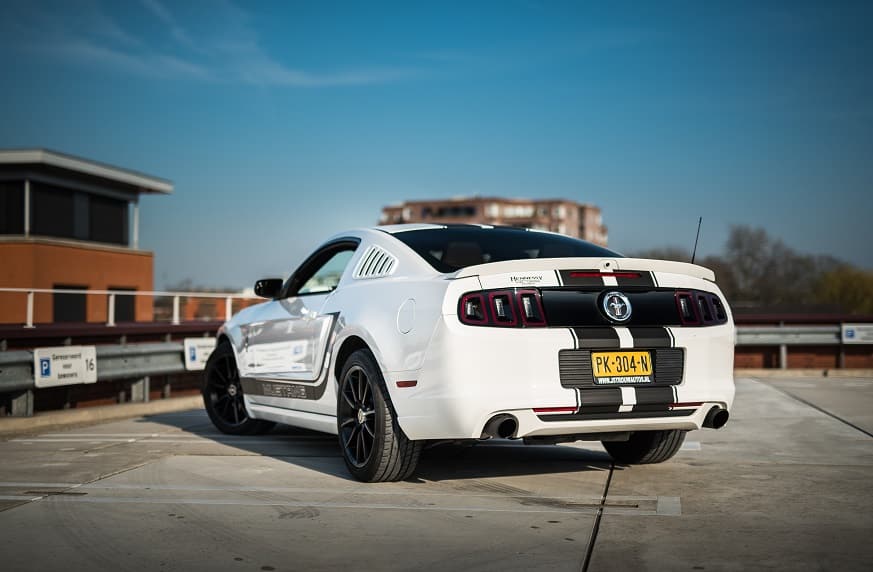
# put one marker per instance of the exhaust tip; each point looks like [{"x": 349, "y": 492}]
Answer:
[
  {"x": 716, "y": 418},
  {"x": 501, "y": 426}
]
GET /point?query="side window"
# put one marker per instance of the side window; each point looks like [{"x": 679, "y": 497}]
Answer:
[{"x": 327, "y": 277}]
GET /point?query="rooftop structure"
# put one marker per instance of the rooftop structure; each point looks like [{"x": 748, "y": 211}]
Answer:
[{"x": 73, "y": 223}]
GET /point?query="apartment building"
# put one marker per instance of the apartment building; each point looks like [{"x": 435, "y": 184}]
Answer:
[{"x": 556, "y": 215}]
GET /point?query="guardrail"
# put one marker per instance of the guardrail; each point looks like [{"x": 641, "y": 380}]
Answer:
[
  {"x": 784, "y": 336},
  {"x": 111, "y": 295},
  {"x": 139, "y": 361},
  {"x": 114, "y": 362}
]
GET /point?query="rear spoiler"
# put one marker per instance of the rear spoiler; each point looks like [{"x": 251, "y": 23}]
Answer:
[{"x": 602, "y": 264}]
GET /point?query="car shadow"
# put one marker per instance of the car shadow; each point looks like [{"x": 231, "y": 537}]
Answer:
[{"x": 446, "y": 461}]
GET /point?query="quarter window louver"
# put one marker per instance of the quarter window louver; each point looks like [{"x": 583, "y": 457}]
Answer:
[{"x": 375, "y": 263}]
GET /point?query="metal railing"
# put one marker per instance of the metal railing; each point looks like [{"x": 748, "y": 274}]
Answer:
[
  {"x": 114, "y": 362},
  {"x": 111, "y": 295},
  {"x": 784, "y": 336},
  {"x": 789, "y": 335}
]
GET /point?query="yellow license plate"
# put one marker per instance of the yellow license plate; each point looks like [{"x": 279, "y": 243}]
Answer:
[{"x": 622, "y": 367}]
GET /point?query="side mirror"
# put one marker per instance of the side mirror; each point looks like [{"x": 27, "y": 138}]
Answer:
[{"x": 268, "y": 287}]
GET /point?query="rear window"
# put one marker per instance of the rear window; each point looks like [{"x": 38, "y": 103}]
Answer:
[{"x": 452, "y": 248}]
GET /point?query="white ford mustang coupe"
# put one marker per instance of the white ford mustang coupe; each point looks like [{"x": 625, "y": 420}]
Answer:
[{"x": 396, "y": 336}]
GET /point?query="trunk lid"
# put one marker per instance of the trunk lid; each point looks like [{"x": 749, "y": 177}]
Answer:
[{"x": 554, "y": 271}]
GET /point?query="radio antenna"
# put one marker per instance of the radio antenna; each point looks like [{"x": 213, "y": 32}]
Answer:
[{"x": 694, "y": 253}]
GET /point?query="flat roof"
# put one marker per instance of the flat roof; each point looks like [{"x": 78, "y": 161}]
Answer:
[{"x": 143, "y": 183}]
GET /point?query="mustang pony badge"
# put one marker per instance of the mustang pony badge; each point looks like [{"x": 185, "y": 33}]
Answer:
[{"x": 617, "y": 307}]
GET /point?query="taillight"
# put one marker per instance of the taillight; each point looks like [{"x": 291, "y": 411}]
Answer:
[
  {"x": 472, "y": 309},
  {"x": 503, "y": 308},
  {"x": 705, "y": 311},
  {"x": 688, "y": 313},
  {"x": 700, "y": 308},
  {"x": 720, "y": 314},
  {"x": 531, "y": 308}
]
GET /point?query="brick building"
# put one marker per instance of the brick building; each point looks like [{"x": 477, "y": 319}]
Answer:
[
  {"x": 68, "y": 223},
  {"x": 557, "y": 215}
]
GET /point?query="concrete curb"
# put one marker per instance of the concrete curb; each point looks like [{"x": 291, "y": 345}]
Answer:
[{"x": 10, "y": 426}]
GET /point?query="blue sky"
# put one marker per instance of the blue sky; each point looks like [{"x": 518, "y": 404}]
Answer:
[{"x": 283, "y": 122}]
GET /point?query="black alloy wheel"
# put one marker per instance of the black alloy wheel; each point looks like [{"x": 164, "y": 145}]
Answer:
[
  {"x": 357, "y": 417},
  {"x": 374, "y": 447},
  {"x": 223, "y": 395}
]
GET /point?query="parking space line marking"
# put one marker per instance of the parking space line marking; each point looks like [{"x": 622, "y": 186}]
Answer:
[
  {"x": 614, "y": 505},
  {"x": 669, "y": 506},
  {"x": 38, "y": 485},
  {"x": 175, "y": 435},
  {"x": 247, "y": 502},
  {"x": 192, "y": 440},
  {"x": 38, "y": 440}
]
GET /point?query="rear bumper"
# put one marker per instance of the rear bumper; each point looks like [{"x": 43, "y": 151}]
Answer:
[{"x": 474, "y": 373}]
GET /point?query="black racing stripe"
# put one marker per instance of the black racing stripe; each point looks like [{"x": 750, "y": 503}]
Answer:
[
  {"x": 651, "y": 408},
  {"x": 604, "y": 400},
  {"x": 654, "y": 395},
  {"x": 650, "y": 337},
  {"x": 645, "y": 279},
  {"x": 600, "y": 409},
  {"x": 569, "y": 280},
  {"x": 597, "y": 337},
  {"x": 617, "y": 416}
]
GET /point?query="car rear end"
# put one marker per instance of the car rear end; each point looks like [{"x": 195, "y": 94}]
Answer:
[{"x": 565, "y": 348}]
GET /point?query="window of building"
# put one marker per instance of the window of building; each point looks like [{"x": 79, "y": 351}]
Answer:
[
  {"x": 69, "y": 307},
  {"x": 456, "y": 211},
  {"x": 518, "y": 211},
  {"x": 107, "y": 220},
  {"x": 559, "y": 211},
  {"x": 125, "y": 306},
  {"x": 65, "y": 213},
  {"x": 492, "y": 210},
  {"x": 12, "y": 207},
  {"x": 51, "y": 211}
]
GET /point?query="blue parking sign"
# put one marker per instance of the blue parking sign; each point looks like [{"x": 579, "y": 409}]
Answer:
[{"x": 45, "y": 367}]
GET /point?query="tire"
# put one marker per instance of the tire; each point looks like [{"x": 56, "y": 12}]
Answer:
[
  {"x": 646, "y": 447},
  {"x": 223, "y": 396},
  {"x": 373, "y": 445}
]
